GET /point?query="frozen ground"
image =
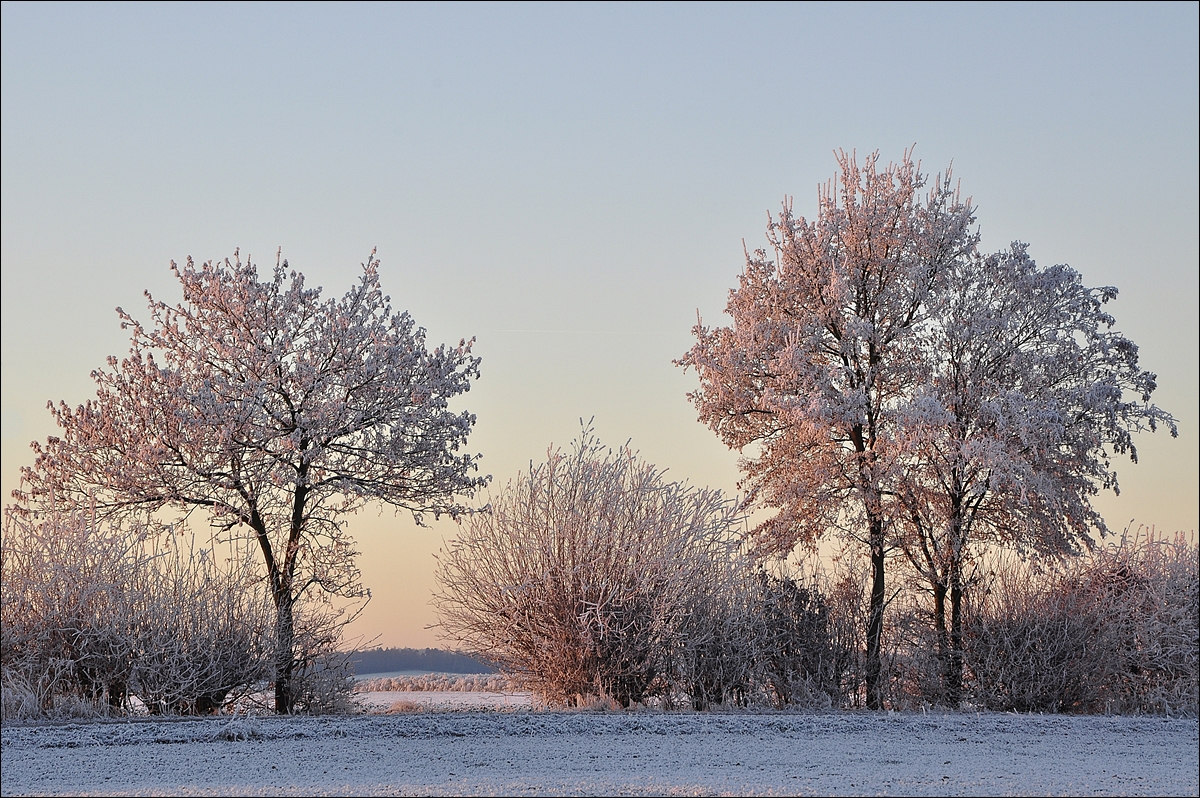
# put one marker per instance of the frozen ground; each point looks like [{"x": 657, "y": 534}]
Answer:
[
  {"x": 392, "y": 702},
  {"x": 533, "y": 752}
]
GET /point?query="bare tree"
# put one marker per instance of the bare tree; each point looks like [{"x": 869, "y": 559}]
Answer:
[
  {"x": 1026, "y": 389},
  {"x": 590, "y": 577},
  {"x": 821, "y": 351},
  {"x": 275, "y": 411}
]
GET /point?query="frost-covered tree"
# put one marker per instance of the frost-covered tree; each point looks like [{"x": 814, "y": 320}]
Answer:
[
  {"x": 1026, "y": 393},
  {"x": 593, "y": 576},
  {"x": 277, "y": 412},
  {"x": 821, "y": 351}
]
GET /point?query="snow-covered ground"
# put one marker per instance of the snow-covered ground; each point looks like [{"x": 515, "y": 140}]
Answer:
[
  {"x": 521, "y": 751},
  {"x": 393, "y": 702}
]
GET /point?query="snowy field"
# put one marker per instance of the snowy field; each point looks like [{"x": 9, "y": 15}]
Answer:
[
  {"x": 393, "y": 702},
  {"x": 524, "y": 752}
]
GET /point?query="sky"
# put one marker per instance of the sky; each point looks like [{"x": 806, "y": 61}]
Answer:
[{"x": 572, "y": 185}]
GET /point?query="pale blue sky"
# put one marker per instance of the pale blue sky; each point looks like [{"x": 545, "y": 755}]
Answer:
[{"x": 571, "y": 184}]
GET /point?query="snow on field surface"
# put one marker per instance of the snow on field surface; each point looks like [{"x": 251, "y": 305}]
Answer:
[
  {"x": 391, "y": 702},
  {"x": 536, "y": 753}
]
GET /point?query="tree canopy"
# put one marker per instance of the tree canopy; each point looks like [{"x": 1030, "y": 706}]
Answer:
[
  {"x": 822, "y": 349},
  {"x": 887, "y": 382},
  {"x": 1025, "y": 392},
  {"x": 276, "y": 411}
]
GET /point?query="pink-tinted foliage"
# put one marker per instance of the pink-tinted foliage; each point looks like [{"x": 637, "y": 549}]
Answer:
[
  {"x": 822, "y": 346},
  {"x": 823, "y": 350},
  {"x": 274, "y": 410}
]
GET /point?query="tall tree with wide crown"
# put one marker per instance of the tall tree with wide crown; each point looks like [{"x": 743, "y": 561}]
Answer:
[{"x": 822, "y": 350}]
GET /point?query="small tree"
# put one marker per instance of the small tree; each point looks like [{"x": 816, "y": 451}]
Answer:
[
  {"x": 591, "y": 576},
  {"x": 1026, "y": 389},
  {"x": 276, "y": 411},
  {"x": 821, "y": 352}
]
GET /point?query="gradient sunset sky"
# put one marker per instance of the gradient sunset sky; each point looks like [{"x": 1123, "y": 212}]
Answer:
[{"x": 571, "y": 184}]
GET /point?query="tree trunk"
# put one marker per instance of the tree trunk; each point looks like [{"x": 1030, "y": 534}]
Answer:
[
  {"x": 955, "y": 669},
  {"x": 942, "y": 636},
  {"x": 874, "y": 664},
  {"x": 285, "y": 660}
]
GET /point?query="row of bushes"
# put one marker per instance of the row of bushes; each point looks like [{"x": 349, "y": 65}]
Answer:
[
  {"x": 596, "y": 609},
  {"x": 595, "y": 579},
  {"x": 100, "y": 620},
  {"x": 1115, "y": 630}
]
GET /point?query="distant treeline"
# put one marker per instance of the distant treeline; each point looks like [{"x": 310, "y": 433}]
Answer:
[{"x": 431, "y": 660}]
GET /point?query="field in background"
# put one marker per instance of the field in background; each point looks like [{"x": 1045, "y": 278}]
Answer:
[{"x": 414, "y": 662}]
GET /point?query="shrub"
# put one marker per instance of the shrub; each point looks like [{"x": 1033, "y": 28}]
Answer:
[
  {"x": 204, "y": 632},
  {"x": 1117, "y": 630},
  {"x": 93, "y": 617},
  {"x": 592, "y": 576},
  {"x": 716, "y": 661},
  {"x": 799, "y": 661}
]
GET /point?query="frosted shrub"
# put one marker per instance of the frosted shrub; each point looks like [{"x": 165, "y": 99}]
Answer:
[
  {"x": 94, "y": 615},
  {"x": 67, "y": 633},
  {"x": 1114, "y": 631},
  {"x": 717, "y": 659},
  {"x": 592, "y": 576},
  {"x": 205, "y": 633},
  {"x": 846, "y": 593},
  {"x": 324, "y": 685},
  {"x": 30, "y": 695},
  {"x": 800, "y": 663},
  {"x": 323, "y": 675}
]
